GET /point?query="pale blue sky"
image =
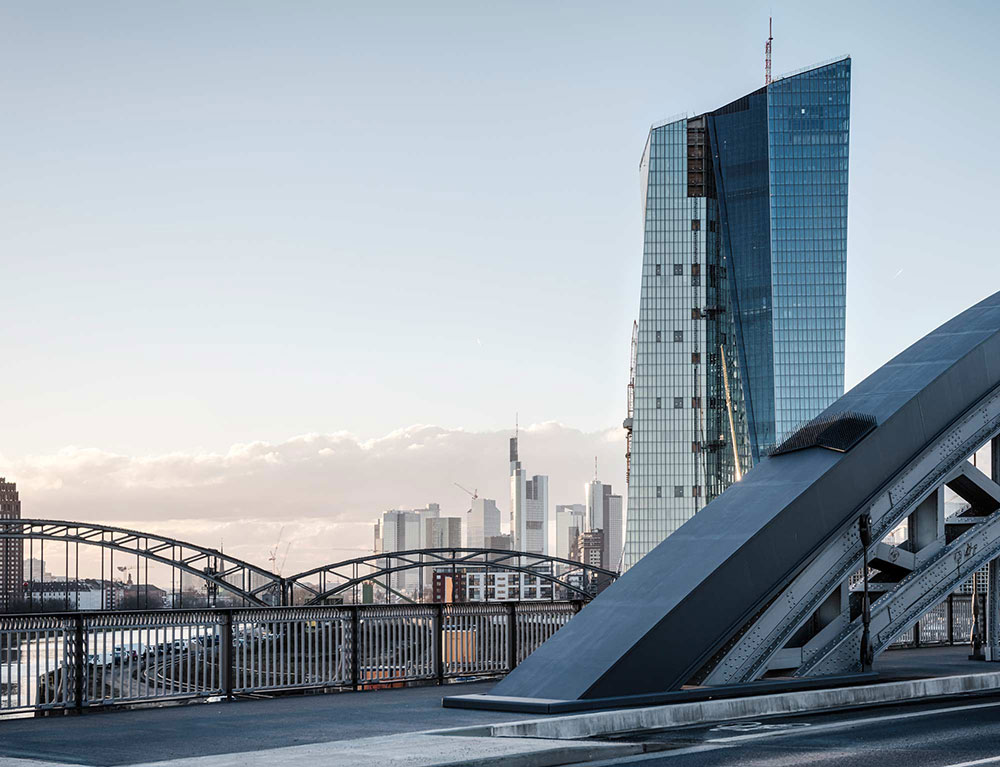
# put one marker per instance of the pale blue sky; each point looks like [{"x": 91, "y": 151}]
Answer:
[{"x": 232, "y": 221}]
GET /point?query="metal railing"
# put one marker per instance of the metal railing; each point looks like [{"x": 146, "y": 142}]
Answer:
[
  {"x": 62, "y": 661},
  {"x": 948, "y": 623}
]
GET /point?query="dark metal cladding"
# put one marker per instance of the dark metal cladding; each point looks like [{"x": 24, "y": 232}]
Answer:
[
  {"x": 659, "y": 623},
  {"x": 839, "y": 432}
]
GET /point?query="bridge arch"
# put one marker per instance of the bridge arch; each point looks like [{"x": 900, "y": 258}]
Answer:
[
  {"x": 578, "y": 579},
  {"x": 246, "y": 581}
]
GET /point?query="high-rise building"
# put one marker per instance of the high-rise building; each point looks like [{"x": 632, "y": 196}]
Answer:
[
  {"x": 403, "y": 530},
  {"x": 482, "y": 523},
  {"x": 613, "y": 532},
  {"x": 570, "y": 523},
  {"x": 529, "y": 507},
  {"x": 11, "y": 550},
  {"x": 742, "y": 307},
  {"x": 604, "y": 514},
  {"x": 590, "y": 548},
  {"x": 503, "y": 542},
  {"x": 442, "y": 533}
]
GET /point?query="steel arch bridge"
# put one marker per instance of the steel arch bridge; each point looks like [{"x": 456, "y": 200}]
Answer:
[
  {"x": 768, "y": 577},
  {"x": 248, "y": 582},
  {"x": 257, "y": 586},
  {"x": 581, "y": 580}
]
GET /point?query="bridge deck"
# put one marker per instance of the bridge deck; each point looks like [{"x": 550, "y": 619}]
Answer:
[{"x": 126, "y": 737}]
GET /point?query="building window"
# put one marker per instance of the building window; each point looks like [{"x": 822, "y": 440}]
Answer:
[
  {"x": 695, "y": 447},
  {"x": 696, "y": 313},
  {"x": 657, "y": 403},
  {"x": 658, "y": 491},
  {"x": 678, "y": 403},
  {"x": 696, "y": 491},
  {"x": 678, "y": 336},
  {"x": 695, "y": 224},
  {"x": 696, "y": 280},
  {"x": 696, "y": 269},
  {"x": 695, "y": 358},
  {"x": 678, "y": 269},
  {"x": 696, "y": 403},
  {"x": 657, "y": 336},
  {"x": 657, "y": 270},
  {"x": 712, "y": 226},
  {"x": 678, "y": 491}
]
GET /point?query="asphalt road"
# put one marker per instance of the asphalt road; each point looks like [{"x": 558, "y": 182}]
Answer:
[
  {"x": 958, "y": 734},
  {"x": 104, "y": 739}
]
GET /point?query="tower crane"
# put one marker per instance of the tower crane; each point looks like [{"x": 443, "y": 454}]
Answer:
[
  {"x": 273, "y": 556},
  {"x": 473, "y": 493}
]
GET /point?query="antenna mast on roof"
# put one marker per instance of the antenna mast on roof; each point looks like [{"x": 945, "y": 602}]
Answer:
[{"x": 767, "y": 54}]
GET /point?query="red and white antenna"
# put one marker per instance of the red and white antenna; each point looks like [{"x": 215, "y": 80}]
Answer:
[{"x": 767, "y": 54}]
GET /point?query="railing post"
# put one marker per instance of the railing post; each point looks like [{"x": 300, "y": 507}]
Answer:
[
  {"x": 439, "y": 636},
  {"x": 79, "y": 663},
  {"x": 511, "y": 636},
  {"x": 226, "y": 653},
  {"x": 355, "y": 639},
  {"x": 951, "y": 619}
]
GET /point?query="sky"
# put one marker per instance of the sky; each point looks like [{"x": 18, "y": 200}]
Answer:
[{"x": 235, "y": 232}]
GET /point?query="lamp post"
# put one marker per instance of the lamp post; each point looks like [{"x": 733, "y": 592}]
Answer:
[{"x": 865, "y": 531}]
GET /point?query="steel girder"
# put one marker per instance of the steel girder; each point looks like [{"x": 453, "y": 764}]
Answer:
[
  {"x": 350, "y": 573},
  {"x": 760, "y": 575},
  {"x": 263, "y": 588},
  {"x": 751, "y": 654},
  {"x": 221, "y": 570}
]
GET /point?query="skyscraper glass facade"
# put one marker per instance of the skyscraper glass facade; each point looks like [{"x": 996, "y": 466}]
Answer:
[{"x": 742, "y": 305}]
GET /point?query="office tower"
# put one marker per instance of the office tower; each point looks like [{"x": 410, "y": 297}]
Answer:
[
  {"x": 482, "y": 523},
  {"x": 589, "y": 548},
  {"x": 596, "y": 492},
  {"x": 613, "y": 532},
  {"x": 443, "y": 533},
  {"x": 529, "y": 507},
  {"x": 570, "y": 523},
  {"x": 604, "y": 514},
  {"x": 740, "y": 336},
  {"x": 405, "y": 530},
  {"x": 11, "y": 551},
  {"x": 502, "y": 542}
]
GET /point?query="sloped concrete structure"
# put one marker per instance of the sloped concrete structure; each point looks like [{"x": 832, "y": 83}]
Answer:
[{"x": 759, "y": 578}]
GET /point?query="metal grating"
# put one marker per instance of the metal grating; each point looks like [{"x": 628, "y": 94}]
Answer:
[{"x": 839, "y": 432}]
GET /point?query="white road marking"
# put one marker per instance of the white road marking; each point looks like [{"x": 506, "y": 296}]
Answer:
[
  {"x": 987, "y": 760},
  {"x": 852, "y": 723},
  {"x": 714, "y": 744}
]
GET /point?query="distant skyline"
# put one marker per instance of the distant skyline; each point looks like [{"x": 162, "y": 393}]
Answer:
[{"x": 238, "y": 223}]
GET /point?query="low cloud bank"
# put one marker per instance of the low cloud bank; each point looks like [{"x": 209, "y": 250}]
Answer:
[{"x": 325, "y": 490}]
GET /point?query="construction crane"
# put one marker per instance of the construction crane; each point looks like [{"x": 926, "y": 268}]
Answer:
[
  {"x": 630, "y": 401},
  {"x": 767, "y": 54},
  {"x": 473, "y": 493},
  {"x": 273, "y": 557}
]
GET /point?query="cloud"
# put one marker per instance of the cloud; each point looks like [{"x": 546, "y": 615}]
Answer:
[{"x": 325, "y": 490}]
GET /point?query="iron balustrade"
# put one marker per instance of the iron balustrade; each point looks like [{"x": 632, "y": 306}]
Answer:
[
  {"x": 81, "y": 660},
  {"x": 948, "y": 623}
]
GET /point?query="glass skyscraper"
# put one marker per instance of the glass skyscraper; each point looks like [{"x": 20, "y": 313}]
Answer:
[{"x": 741, "y": 314}]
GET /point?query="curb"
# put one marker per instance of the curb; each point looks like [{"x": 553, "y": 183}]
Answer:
[{"x": 686, "y": 714}]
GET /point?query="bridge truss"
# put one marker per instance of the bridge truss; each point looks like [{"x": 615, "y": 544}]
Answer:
[
  {"x": 539, "y": 576},
  {"x": 245, "y": 582},
  {"x": 919, "y": 554},
  {"x": 242, "y": 583}
]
